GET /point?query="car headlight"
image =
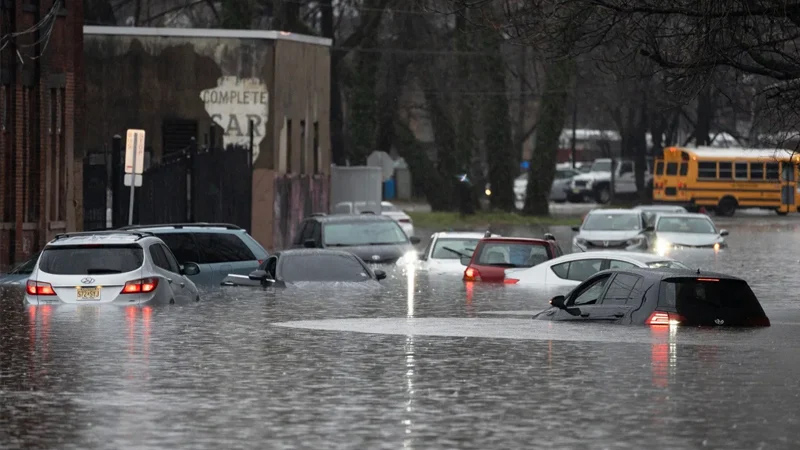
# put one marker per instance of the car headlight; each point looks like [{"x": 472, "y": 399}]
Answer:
[
  {"x": 638, "y": 240},
  {"x": 663, "y": 246},
  {"x": 407, "y": 259}
]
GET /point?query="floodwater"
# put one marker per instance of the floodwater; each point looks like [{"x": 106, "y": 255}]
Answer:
[{"x": 427, "y": 363}]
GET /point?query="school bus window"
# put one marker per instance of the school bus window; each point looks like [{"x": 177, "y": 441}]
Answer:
[
  {"x": 706, "y": 169},
  {"x": 740, "y": 171},
  {"x": 672, "y": 168},
  {"x": 725, "y": 170},
  {"x": 756, "y": 171},
  {"x": 684, "y": 168},
  {"x": 659, "y": 167},
  {"x": 772, "y": 171}
]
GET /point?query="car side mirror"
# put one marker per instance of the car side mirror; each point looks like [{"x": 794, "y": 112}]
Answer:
[
  {"x": 380, "y": 275},
  {"x": 258, "y": 275},
  {"x": 723, "y": 233},
  {"x": 414, "y": 240},
  {"x": 559, "y": 302},
  {"x": 310, "y": 243},
  {"x": 576, "y": 229},
  {"x": 465, "y": 260},
  {"x": 549, "y": 237},
  {"x": 190, "y": 269}
]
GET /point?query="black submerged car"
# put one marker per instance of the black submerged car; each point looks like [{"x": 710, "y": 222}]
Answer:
[
  {"x": 308, "y": 266},
  {"x": 659, "y": 297},
  {"x": 373, "y": 238}
]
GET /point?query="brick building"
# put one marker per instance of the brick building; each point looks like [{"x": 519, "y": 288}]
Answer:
[{"x": 41, "y": 54}]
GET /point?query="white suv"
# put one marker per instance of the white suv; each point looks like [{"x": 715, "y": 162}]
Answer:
[{"x": 120, "y": 267}]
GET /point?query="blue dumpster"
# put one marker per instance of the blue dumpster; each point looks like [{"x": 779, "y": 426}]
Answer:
[{"x": 388, "y": 189}]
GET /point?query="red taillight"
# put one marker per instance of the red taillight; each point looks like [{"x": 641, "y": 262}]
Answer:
[
  {"x": 708, "y": 279},
  {"x": 260, "y": 261},
  {"x": 511, "y": 281},
  {"x": 472, "y": 274},
  {"x": 39, "y": 288},
  {"x": 664, "y": 318},
  {"x": 142, "y": 286}
]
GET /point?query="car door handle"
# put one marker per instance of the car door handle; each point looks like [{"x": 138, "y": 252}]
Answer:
[
  {"x": 169, "y": 280},
  {"x": 183, "y": 284}
]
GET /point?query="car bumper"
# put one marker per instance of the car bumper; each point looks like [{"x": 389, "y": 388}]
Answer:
[
  {"x": 580, "y": 191},
  {"x": 120, "y": 300},
  {"x": 578, "y": 248}
]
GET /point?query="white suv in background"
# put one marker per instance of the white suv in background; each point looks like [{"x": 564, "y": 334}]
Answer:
[{"x": 121, "y": 267}]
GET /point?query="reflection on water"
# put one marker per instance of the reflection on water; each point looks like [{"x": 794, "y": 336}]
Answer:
[{"x": 220, "y": 374}]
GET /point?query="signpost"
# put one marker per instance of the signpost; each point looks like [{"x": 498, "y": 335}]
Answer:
[{"x": 134, "y": 164}]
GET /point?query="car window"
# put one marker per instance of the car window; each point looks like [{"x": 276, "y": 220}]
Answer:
[
  {"x": 174, "y": 267},
  {"x": 321, "y": 267},
  {"x": 512, "y": 254},
  {"x": 363, "y": 232},
  {"x": 667, "y": 265},
  {"x": 620, "y": 289},
  {"x": 612, "y": 222},
  {"x": 25, "y": 268},
  {"x": 589, "y": 294},
  {"x": 561, "y": 270},
  {"x": 182, "y": 245},
  {"x": 219, "y": 248},
  {"x": 617, "y": 264},
  {"x": 158, "y": 256},
  {"x": 699, "y": 225},
  {"x": 95, "y": 260},
  {"x": 454, "y": 248},
  {"x": 582, "y": 269}
]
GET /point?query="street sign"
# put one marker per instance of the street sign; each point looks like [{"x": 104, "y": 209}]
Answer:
[
  {"x": 128, "y": 178},
  {"x": 134, "y": 152}
]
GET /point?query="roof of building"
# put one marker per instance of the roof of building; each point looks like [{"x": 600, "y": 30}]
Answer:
[{"x": 205, "y": 33}]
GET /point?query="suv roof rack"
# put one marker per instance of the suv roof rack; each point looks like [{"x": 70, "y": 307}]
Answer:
[
  {"x": 138, "y": 234},
  {"x": 227, "y": 226}
]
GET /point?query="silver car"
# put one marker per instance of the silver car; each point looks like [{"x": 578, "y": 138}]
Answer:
[
  {"x": 558, "y": 189},
  {"x": 688, "y": 230},
  {"x": 652, "y": 211},
  {"x": 613, "y": 229},
  {"x": 120, "y": 267}
]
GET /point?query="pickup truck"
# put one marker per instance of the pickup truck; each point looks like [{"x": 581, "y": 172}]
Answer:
[{"x": 596, "y": 184}]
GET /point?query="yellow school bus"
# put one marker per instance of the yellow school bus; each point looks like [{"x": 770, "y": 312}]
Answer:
[{"x": 724, "y": 179}]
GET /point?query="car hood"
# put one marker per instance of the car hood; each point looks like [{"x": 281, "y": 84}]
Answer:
[
  {"x": 589, "y": 176},
  {"x": 603, "y": 235},
  {"x": 693, "y": 239},
  {"x": 378, "y": 253}
]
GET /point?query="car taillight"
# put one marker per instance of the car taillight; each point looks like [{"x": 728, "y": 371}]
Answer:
[
  {"x": 472, "y": 274},
  {"x": 260, "y": 261},
  {"x": 140, "y": 286},
  {"x": 664, "y": 318},
  {"x": 39, "y": 288},
  {"x": 510, "y": 281}
]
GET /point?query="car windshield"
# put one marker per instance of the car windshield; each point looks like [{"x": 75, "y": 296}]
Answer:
[
  {"x": 601, "y": 166},
  {"x": 91, "y": 260},
  {"x": 611, "y": 222},
  {"x": 454, "y": 248},
  {"x": 512, "y": 254},
  {"x": 666, "y": 265},
  {"x": 363, "y": 233},
  {"x": 685, "y": 225},
  {"x": 321, "y": 267}
]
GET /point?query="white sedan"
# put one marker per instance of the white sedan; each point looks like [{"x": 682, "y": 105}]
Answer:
[
  {"x": 560, "y": 275},
  {"x": 445, "y": 249},
  {"x": 386, "y": 209}
]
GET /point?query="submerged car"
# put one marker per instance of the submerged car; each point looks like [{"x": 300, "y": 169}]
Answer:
[
  {"x": 17, "y": 276},
  {"x": 376, "y": 239},
  {"x": 494, "y": 256},
  {"x": 122, "y": 267},
  {"x": 612, "y": 229},
  {"x": 306, "y": 266},
  {"x": 659, "y": 297},
  {"x": 445, "y": 250},
  {"x": 384, "y": 207},
  {"x": 565, "y": 272},
  {"x": 689, "y": 230}
]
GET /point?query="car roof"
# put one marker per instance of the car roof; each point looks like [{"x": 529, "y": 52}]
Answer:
[
  {"x": 637, "y": 256},
  {"x": 613, "y": 211},
  {"x": 99, "y": 238},
  {"x": 352, "y": 218},
  {"x": 199, "y": 227},
  {"x": 660, "y": 208},
  {"x": 664, "y": 273},
  {"x": 462, "y": 234},
  {"x": 313, "y": 251},
  {"x": 516, "y": 239},
  {"x": 686, "y": 215}
]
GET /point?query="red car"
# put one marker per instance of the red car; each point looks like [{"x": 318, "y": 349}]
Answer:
[{"x": 493, "y": 255}]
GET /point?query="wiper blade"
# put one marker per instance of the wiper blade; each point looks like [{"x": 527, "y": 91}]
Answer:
[
  {"x": 101, "y": 271},
  {"x": 456, "y": 251}
]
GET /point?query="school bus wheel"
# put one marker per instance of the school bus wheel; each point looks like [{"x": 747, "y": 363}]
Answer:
[{"x": 727, "y": 206}]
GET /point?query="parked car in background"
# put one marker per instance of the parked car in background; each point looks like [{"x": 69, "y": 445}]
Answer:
[
  {"x": 659, "y": 297},
  {"x": 561, "y": 274},
  {"x": 384, "y": 207},
  {"x": 687, "y": 230},
  {"x": 612, "y": 229},
  {"x": 596, "y": 184},
  {"x": 445, "y": 250},
  {"x": 558, "y": 189},
  {"x": 373, "y": 238},
  {"x": 126, "y": 268},
  {"x": 495, "y": 255},
  {"x": 304, "y": 267},
  {"x": 15, "y": 278},
  {"x": 218, "y": 248},
  {"x": 651, "y": 211}
]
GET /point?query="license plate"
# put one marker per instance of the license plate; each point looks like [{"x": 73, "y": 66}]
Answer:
[{"x": 89, "y": 293}]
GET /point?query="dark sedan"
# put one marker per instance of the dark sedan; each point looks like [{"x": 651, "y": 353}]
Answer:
[
  {"x": 309, "y": 267},
  {"x": 659, "y": 297}
]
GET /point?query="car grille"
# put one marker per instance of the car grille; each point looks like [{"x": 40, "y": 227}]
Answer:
[
  {"x": 607, "y": 244},
  {"x": 580, "y": 183}
]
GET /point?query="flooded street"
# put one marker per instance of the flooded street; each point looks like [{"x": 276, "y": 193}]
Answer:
[{"x": 425, "y": 363}]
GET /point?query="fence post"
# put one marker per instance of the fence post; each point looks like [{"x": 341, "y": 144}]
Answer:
[
  {"x": 190, "y": 182},
  {"x": 116, "y": 181}
]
